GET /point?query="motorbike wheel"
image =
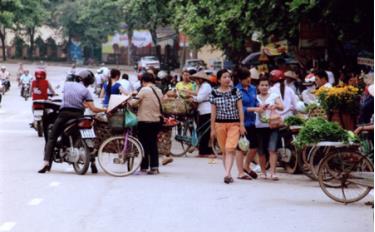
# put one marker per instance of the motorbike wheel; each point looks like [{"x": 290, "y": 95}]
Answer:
[
  {"x": 82, "y": 165},
  {"x": 292, "y": 166},
  {"x": 39, "y": 128}
]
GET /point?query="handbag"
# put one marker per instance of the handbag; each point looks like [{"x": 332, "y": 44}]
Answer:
[
  {"x": 131, "y": 119},
  {"x": 275, "y": 120}
]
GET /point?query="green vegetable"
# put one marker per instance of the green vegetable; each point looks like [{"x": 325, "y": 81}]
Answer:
[
  {"x": 317, "y": 129},
  {"x": 293, "y": 121},
  {"x": 263, "y": 118},
  {"x": 311, "y": 107}
]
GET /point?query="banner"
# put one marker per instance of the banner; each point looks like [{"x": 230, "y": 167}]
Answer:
[
  {"x": 115, "y": 41},
  {"x": 142, "y": 39},
  {"x": 365, "y": 61}
]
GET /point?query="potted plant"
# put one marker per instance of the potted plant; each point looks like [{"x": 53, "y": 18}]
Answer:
[{"x": 341, "y": 104}]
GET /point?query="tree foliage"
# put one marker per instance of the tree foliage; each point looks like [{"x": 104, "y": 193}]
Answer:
[{"x": 226, "y": 24}]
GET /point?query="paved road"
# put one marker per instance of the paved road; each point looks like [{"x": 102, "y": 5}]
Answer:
[{"x": 188, "y": 195}]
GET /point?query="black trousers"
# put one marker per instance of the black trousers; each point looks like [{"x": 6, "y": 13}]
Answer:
[
  {"x": 147, "y": 134},
  {"x": 204, "y": 149},
  {"x": 58, "y": 127}
]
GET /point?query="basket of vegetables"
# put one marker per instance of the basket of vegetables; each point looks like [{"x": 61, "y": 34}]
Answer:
[{"x": 317, "y": 130}]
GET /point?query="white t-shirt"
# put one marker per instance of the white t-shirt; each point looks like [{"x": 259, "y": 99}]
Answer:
[
  {"x": 308, "y": 96},
  {"x": 126, "y": 86},
  {"x": 289, "y": 100},
  {"x": 331, "y": 77},
  {"x": 26, "y": 79},
  {"x": 202, "y": 98},
  {"x": 271, "y": 100}
]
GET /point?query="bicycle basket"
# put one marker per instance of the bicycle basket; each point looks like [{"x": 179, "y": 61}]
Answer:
[
  {"x": 117, "y": 121},
  {"x": 176, "y": 106}
]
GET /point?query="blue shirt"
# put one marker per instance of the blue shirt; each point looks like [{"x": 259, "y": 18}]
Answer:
[
  {"x": 75, "y": 94},
  {"x": 115, "y": 89},
  {"x": 249, "y": 99}
]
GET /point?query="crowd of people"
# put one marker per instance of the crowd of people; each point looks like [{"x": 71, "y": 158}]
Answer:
[
  {"x": 235, "y": 103},
  {"x": 232, "y": 104}
]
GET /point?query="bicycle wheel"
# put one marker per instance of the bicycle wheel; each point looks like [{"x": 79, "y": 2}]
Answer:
[
  {"x": 304, "y": 165},
  {"x": 181, "y": 138},
  {"x": 117, "y": 162},
  {"x": 316, "y": 157},
  {"x": 346, "y": 176},
  {"x": 291, "y": 166}
]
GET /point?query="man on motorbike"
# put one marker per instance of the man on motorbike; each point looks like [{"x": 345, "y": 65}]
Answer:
[
  {"x": 5, "y": 77},
  {"x": 25, "y": 79},
  {"x": 76, "y": 98}
]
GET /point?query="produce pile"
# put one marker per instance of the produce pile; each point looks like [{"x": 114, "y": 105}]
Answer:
[
  {"x": 317, "y": 129},
  {"x": 294, "y": 121}
]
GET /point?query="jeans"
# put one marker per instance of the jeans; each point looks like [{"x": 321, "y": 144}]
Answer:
[
  {"x": 58, "y": 127},
  {"x": 147, "y": 134},
  {"x": 204, "y": 149}
]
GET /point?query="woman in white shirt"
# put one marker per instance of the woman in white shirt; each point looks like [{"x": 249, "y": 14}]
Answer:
[
  {"x": 204, "y": 110},
  {"x": 266, "y": 137},
  {"x": 288, "y": 97}
]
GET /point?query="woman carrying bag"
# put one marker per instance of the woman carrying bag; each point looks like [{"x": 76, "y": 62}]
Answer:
[
  {"x": 265, "y": 123},
  {"x": 148, "y": 122},
  {"x": 227, "y": 120}
]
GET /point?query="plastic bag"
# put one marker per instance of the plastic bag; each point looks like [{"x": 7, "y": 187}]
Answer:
[
  {"x": 131, "y": 119},
  {"x": 243, "y": 143},
  {"x": 275, "y": 120}
]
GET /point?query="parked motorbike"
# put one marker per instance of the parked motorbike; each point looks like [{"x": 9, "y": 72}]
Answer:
[
  {"x": 25, "y": 91},
  {"x": 287, "y": 153}
]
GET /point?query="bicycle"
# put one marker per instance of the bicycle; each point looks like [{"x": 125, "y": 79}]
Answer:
[
  {"x": 346, "y": 175},
  {"x": 120, "y": 155},
  {"x": 187, "y": 136}
]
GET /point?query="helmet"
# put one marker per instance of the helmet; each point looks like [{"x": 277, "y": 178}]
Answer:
[
  {"x": 309, "y": 79},
  {"x": 162, "y": 74},
  {"x": 40, "y": 74},
  {"x": 87, "y": 77},
  {"x": 277, "y": 75}
]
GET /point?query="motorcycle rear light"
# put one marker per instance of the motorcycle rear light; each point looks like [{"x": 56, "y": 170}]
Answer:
[{"x": 85, "y": 124}]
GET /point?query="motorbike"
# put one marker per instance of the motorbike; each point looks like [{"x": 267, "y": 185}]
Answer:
[
  {"x": 25, "y": 90},
  {"x": 287, "y": 153},
  {"x": 5, "y": 86},
  {"x": 45, "y": 113},
  {"x": 76, "y": 144}
]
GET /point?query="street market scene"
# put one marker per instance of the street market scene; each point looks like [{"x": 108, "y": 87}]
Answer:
[{"x": 169, "y": 115}]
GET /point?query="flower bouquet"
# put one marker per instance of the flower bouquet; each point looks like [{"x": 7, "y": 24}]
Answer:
[{"x": 341, "y": 104}]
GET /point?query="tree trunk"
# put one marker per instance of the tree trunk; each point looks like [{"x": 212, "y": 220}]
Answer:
[
  {"x": 31, "y": 32},
  {"x": 155, "y": 41},
  {"x": 2, "y": 38},
  {"x": 130, "y": 48}
]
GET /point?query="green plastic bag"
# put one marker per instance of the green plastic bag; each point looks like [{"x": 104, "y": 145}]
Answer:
[{"x": 131, "y": 119}]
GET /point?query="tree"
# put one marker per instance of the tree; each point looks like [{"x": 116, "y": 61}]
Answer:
[
  {"x": 147, "y": 14},
  {"x": 226, "y": 24},
  {"x": 32, "y": 15},
  {"x": 7, "y": 19},
  {"x": 90, "y": 20}
]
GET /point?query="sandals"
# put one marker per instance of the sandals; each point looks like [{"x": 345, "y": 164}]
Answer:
[
  {"x": 263, "y": 176},
  {"x": 251, "y": 173},
  {"x": 274, "y": 177},
  {"x": 228, "y": 179},
  {"x": 244, "y": 177}
]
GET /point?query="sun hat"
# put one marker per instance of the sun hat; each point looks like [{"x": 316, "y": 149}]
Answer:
[
  {"x": 201, "y": 75},
  {"x": 291, "y": 74}
]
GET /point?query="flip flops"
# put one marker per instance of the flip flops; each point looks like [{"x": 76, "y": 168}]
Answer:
[{"x": 244, "y": 177}]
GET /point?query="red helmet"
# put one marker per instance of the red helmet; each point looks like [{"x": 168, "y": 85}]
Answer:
[
  {"x": 40, "y": 74},
  {"x": 277, "y": 75}
]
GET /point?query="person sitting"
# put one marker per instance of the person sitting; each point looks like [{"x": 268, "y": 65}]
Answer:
[{"x": 25, "y": 79}]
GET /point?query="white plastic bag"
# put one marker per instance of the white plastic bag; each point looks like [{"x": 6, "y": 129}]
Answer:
[{"x": 243, "y": 143}]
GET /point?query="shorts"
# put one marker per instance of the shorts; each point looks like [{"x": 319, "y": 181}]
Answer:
[
  {"x": 227, "y": 134},
  {"x": 267, "y": 140},
  {"x": 251, "y": 135}
]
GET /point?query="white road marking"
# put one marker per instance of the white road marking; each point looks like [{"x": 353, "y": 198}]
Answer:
[
  {"x": 35, "y": 201},
  {"x": 7, "y": 226},
  {"x": 54, "y": 184}
]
